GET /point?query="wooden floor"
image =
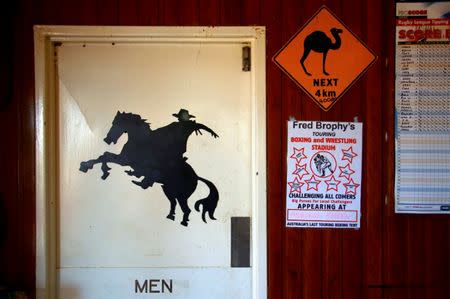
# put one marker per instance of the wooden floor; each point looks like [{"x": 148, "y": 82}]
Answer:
[{"x": 391, "y": 256}]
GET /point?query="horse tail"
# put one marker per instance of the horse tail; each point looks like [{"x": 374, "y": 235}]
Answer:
[{"x": 208, "y": 203}]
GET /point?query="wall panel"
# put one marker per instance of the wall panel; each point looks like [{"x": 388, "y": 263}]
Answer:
[{"x": 293, "y": 272}]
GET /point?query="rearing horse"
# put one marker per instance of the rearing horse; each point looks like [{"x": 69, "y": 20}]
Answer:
[{"x": 146, "y": 152}]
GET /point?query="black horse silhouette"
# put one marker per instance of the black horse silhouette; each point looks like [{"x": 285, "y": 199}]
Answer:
[
  {"x": 157, "y": 156},
  {"x": 319, "y": 42}
]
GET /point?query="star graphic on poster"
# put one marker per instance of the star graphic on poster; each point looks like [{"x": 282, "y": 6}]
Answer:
[
  {"x": 350, "y": 187},
  {"x": 295, "y": 185},
  {"x": 299, "y": 154},
  {"x": 346, "y": 171},
  {"x": 348, "y": 154},
  {"x": 332, "y": 184},
  {"x": 300, "y": 170},
  {"x": 313, "y": 183}
]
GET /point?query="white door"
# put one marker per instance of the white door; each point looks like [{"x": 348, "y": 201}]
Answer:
[{"x": 147, "y": 133}]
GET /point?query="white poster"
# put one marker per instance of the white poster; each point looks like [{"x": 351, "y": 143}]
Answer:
[
  {"x": 422, "y": 106},
  {"x": 323, "y": 187}
]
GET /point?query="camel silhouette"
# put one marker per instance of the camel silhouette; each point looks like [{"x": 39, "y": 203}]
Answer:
[{"x": 319, "y": 42}]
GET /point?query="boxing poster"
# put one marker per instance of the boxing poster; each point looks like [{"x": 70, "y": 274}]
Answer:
[{"x": 323, "y": 188}]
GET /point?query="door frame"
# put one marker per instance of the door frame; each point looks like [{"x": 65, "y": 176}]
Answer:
[{"x": 46, "y": 38}]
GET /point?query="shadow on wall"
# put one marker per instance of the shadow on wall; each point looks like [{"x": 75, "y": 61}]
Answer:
[
  {"x": 65, "y": 292},
  {"x": 3, "y": 224},
  {"x": 7, "y": 55},
  {"x": 13, "y": 295},
  {"x": 3, "y": 230},
  {"x": 68, "y": 292}
]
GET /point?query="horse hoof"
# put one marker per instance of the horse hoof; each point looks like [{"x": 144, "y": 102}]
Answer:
[
  {"x": 105, "y": 175},
  {"x": 185, "y": 223},
  {"x": 171, "y": 217},
  {"x": 84, "y": 167}
]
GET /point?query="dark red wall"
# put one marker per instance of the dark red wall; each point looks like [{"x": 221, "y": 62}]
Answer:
[{"x": 391, "y": 256}]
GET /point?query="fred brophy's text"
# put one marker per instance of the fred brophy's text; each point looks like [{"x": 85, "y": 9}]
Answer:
[
  {"x": 327, "y": 126},
  {"x": 153, "y": 286}
]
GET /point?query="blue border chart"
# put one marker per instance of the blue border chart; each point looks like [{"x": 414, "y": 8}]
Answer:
[{"x": 422, "y": 108}]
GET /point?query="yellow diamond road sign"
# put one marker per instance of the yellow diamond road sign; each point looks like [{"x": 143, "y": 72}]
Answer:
[{"x": 324, "y": 58}]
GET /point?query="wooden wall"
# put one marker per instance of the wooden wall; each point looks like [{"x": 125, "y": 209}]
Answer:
[{"x": 391, "y": 256}]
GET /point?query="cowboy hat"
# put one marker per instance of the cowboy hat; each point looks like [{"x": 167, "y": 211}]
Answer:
[{"x": 183, "y": 114}]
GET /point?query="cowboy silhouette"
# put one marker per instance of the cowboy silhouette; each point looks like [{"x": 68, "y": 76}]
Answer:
[
  {"x": 157, "y": 156},
  {"x": 170, "y": 146},
  {"x": 179, "y": 132}
]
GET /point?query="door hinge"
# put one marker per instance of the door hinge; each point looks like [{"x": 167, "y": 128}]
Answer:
[{"x": 246, "y": 59}]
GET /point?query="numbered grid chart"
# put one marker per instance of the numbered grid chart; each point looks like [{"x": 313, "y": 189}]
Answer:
[{"x": 423, "y": 127}]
